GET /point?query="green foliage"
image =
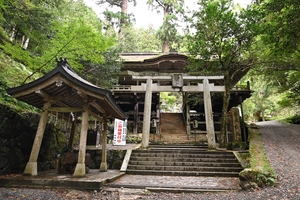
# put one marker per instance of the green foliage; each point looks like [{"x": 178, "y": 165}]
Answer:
[
  {"x": 32, "y": 23},
  {"x": 2, "y": 9},
  {"x": 168, "y": 31},
  {"x": 222, "y": 44},
  {"x": 139, "y": 40},
  {"x": 222, "y": 36},
  {"x": 12, "y": 74},
  {"x": 43, "y": 32},
  {"x": 273, "y": 95},
  {"x": 133, "y": 139},
  {"x": 97, "y": 73},
  {"x": 279, "y": 52},
  {"x": 119, "y": 19},
  {"x": 292, "y": 119},
  {"x": 18, "y": 54},
  {"x": 171, "y": 102},
  {"x": 281, "y": 27}
]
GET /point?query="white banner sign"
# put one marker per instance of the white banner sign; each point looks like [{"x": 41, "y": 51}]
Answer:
[{"x": 120, "y": 130}]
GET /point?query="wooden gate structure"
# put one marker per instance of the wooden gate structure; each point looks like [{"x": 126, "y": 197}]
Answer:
[{"x": 145, "y": 75}]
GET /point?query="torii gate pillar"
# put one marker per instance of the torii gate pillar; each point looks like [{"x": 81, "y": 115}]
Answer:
[
  {"x": 147, "y": 114},
  {"x": 210, "y": 130}
]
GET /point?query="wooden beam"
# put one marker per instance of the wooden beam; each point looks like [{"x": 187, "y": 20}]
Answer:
[
  {"x": 168, "y": 88},
  {"x": 64, "y": 109},
  {"x": 98, "y": 107},
  {"x": 50, "y": 99},
  {"x": 65, "y": 98},
  {"x": 33, "y": 89},
  {"x": 96, "y": 116},
  {"x": 43, "y": 94},
  {"x": 169, "y": 77},
  {"x": 83, "y": 95}
]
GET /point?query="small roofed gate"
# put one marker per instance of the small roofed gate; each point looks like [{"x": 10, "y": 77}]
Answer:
[
  {"x": 63, "y": 91},
  {"x": 130, "y": 93},
  {"x": 177, "y": 81}
]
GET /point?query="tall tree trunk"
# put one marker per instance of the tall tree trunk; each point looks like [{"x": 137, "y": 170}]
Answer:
[
  {"x": 123, "y": 21},
  {"x": 224, "y": 121},
  {"x": 165, "y": 46}
]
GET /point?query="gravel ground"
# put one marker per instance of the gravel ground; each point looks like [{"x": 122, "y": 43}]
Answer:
[{"x": 281, "y": 144}]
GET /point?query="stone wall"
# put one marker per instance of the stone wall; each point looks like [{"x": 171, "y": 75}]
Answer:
[{"x": 17, "y": 133}]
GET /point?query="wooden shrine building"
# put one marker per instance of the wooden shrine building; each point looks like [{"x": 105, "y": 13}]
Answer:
[
  {"x": 63, "y": 91},
  {"x": 145, "y": 75}
]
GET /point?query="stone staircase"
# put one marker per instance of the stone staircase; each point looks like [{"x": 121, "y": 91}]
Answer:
[
  {"x": 183, "y": 160},
  {"x": 173, "y": 131}
]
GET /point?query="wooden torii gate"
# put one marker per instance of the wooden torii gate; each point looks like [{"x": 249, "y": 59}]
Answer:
[{"x": 178, "y": 86}]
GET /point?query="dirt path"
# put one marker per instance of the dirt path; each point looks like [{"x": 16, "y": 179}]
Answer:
[{"x": 282, "y": 145}]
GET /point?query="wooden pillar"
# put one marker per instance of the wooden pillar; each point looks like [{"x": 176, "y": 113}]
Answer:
[
  {"x": 136, "y": 118},
  {"x": 103, "y": 165},
  {"x": 188, "y": 118},
  {"x": 31, "y": 167},
  {"x": 80, "y": 167},
  {"x": 147, "y": 114},
  {"x": 158, "y": 118},
  {"x": 210, "y": 130}
]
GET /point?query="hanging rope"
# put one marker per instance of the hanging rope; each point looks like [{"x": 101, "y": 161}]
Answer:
[{"x": 73, "y": 117}]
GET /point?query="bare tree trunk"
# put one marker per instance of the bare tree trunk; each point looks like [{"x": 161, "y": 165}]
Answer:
[
  {"x": 22, "y": 41},
  {"x": 165, "y": 46},
  {"x": 123, "y": 21},
  {"x": 25, "y": 45},
  {"x": 13, "y": 34}
]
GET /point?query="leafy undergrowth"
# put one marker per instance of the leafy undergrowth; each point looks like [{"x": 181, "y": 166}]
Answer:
[
  {"x": 291, "y": 120},
  {"x": 13, "y": 74}
]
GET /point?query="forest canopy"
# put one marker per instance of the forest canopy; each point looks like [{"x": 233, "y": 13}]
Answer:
[{"x": 261, "y": 39}]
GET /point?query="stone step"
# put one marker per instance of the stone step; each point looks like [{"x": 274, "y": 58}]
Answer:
[
  {"x": 186, "y": 163},
  {"x": 184, "y": 173},
  {"x": 168, "y": 122},
  {"x": 181, "y": 146},
  {"x": 184, "y": 168},
  {"x": 180, "y": 154},
  {"x": 171, "y": 159},
  {"x": 183, "y": 160}
]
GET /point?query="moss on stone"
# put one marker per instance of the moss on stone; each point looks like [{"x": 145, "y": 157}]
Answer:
[{"x": 260, "y": 172}]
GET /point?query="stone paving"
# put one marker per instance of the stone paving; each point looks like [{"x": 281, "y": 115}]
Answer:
[
  {"x": 176, "y": 182},
  {"x": 116, "y": 179}
]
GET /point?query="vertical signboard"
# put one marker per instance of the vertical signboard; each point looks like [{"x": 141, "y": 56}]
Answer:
[{"x": 120, "y": 130}]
